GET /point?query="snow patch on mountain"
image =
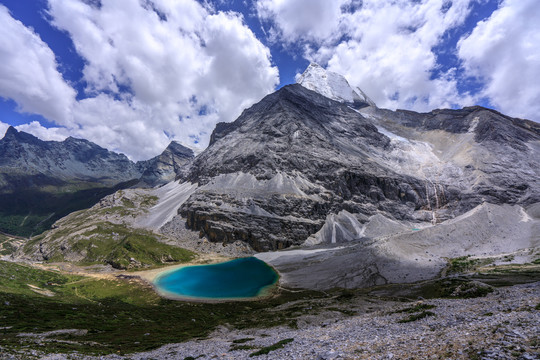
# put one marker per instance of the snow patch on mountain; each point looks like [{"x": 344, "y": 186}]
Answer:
[{"x": 333, "y": 86}]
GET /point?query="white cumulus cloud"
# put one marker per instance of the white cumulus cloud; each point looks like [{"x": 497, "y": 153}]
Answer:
[
  {"x": 28, "y": 72},
  {"x": 47, "y": 134},
  {"x": 3, "y": 128},
  {"x": 300, "y": 20},
  {"x": 384, "y": 47},
  {"x": 162, "y": 70},
  {"x": 122, "y": 126},
  {"x": 504, "y": 52},
  {"x": 155, "y": 71},
  {"x": 390, "y": 55}
]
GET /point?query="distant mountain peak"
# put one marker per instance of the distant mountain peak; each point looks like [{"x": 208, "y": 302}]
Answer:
[
  {"x": 74, "y": 139},
  {"x": 11, "y": 131},
  {"x": 333, "y": 86},
  {"x": 20, "y": 136},
  {"x": 180, "y": 149},
  {"x": 166, "y": 166},
  {"x": 72, "y": 159}
]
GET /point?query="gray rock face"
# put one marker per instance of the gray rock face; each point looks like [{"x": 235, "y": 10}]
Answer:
[
  {"x": 42, "y": 181},
  {"x": 273, "y": 177},
  {"x": 26, "y": 161},
  {"x": 494, "y": 158},
  {"x": 165, "y": 167}
]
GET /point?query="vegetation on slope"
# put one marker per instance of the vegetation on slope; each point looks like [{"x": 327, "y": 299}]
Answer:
[
  {"x": 30, "y": 212},
  {"x": 123, "y": 248},
  {"x": 120, "y": 315},
  {"x": 123, "y": 315},
  {"x": 100, "y": 235}
]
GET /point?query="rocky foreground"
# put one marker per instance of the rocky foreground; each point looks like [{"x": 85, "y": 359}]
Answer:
[{"x": 503, "y": 325}]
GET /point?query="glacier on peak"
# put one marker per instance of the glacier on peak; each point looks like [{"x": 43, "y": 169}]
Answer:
[{"x": 333, "y": 86}]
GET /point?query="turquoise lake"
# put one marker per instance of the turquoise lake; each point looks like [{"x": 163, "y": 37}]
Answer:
[{"x": 240, "y": 278}]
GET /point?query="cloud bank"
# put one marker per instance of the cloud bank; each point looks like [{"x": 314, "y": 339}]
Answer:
[
  {"x": 384, "y": 47},
  {"x": 155, "y": 71},
  {"x": 504, "y": 53},
  {"x": 29, "y": 74},
  {"x": 162, "y": 70},
  {"x": 393, "y": 49}
]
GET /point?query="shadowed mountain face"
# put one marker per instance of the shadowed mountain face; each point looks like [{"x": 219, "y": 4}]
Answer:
[
  {"x": 296, "y": 159},
  {"x": 41, "y": 181},
  {"x": 167, "y": 166},
  {"x": 39, "y": 163}
]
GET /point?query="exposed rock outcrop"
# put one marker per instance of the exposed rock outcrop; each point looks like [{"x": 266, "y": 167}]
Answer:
[
  {"x": 272, "y": 177},
  {"x": 167, "y": 166}
]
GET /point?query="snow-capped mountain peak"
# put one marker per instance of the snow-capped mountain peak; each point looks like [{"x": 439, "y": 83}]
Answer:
[{"x": 333, "y": 86}]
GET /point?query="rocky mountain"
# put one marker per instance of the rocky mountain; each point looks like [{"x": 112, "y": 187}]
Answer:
[
  {"x": 353, "y": 194},
  {"x": 365, "y": 195},
  {"x": 26, "y": 161},
  {"x": 165, "y": 167},
  {"x": 41, "y": 181},
  {"x": 296, "y": 160},
  {"x": 281, "y": 167}
]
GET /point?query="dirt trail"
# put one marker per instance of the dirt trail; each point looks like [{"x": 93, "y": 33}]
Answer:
[{"x": 113, "y": 274}]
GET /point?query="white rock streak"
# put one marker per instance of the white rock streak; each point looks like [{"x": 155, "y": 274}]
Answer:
[{"x": 171, "y": 197}]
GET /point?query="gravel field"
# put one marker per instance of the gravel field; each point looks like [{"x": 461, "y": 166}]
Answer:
[{"x": 503, "y": 325}]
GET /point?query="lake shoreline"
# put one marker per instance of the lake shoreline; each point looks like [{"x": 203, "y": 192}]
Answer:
[
  {"x": 203, "y": 259},
  {"x": 197, "y": 281}
]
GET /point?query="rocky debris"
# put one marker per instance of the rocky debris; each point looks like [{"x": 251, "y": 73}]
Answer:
[
  {"x": 291, "y": 165},
  {"x": 471, "y": 289},
  {"x": 406, "y": 254},
  {"x": 502, "y": 325},
  {"x": 169, "y": 198},
  {"x": 75, "y": 332},
  {"x": 40, "y": 291}
]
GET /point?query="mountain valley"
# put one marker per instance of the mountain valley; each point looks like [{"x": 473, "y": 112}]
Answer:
[
  {"x": 42, "y": 181},
  {"x": 357, "y": 208}
]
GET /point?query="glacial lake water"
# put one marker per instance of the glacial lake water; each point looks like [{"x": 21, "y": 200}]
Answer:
[{"x": 240, "y": 278}]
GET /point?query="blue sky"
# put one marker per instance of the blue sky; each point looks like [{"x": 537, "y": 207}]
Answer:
[{"x": 132, "y": 75}]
